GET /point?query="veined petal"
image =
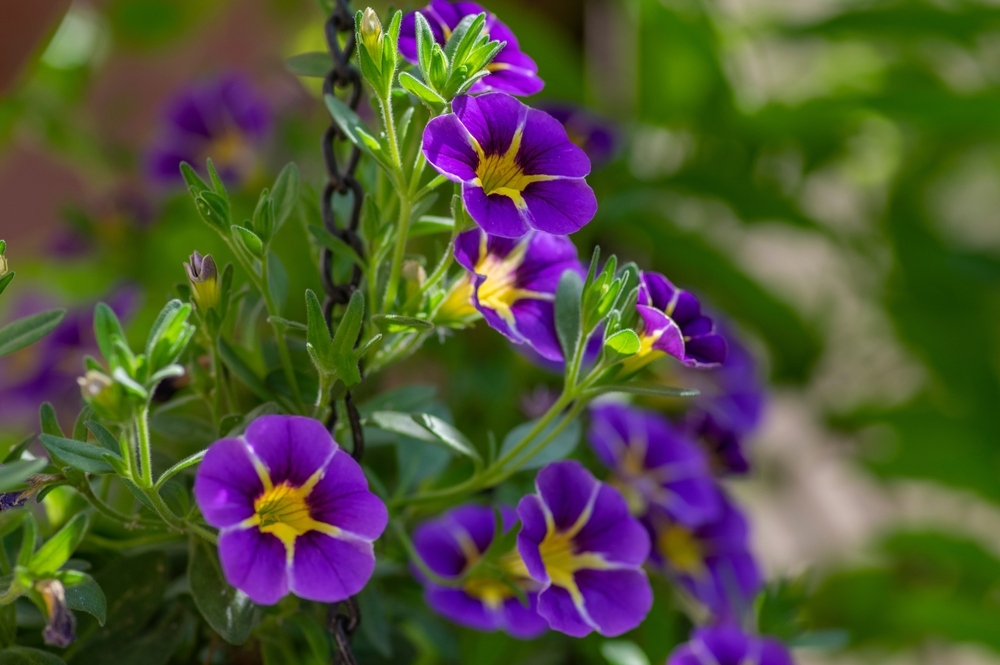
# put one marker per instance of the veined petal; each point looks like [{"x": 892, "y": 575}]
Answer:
[
  {"x": 293, "y": 448},
  {"x": 615, "y": 600},
  {"x": 496, "y": 214},
  {"x": 449, "y": 148},
  {"x": 611, "y": 531},
  {"x": 255, "y": 563},
  {"x": 561, "y": 206},
  {"x": 535, "y": 325},
  {"x": 546, "y": 149},
  {"x": 567, "y": 491},
  {"x": 556, "y": 605},
  {"x": 227, "y": 484},
  {"x": 341, "y": 498},
  {"x": 492, "y": 120},
  {"x": 328, "y": 569}
]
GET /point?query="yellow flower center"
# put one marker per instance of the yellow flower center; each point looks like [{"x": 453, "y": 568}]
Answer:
[
  {"x": 679, "y": 546},
  {"x": 502, "y": 174},
  {"x": 231, "y": 150},
  {"x": 561, "y": 560},
  {"x": 499, "y": 290},
  {"x": 457, "y": 305},
  {"x": 492, "y": 591}
]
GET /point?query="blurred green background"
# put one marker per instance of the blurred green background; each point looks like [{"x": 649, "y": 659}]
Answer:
[{"x": 825, "y": 172}]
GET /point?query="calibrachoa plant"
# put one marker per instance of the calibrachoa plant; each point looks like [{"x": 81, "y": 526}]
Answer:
[{"x": 270, "y": 512}]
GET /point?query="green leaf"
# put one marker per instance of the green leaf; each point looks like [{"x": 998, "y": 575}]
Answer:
[
  {"x": 24, "y": 332},
  {"x": 249, "y": 240},
  {"x": 353, "y": 128},
  {"x": 567, "y": 310},
  {"x": 84, "y": 456},
  {"x": 419, "y": 90},
  {"x": 376, "y": 625},
  {"x": 17, "y": 451},
  {"x": 344, "y": 340},
  {"x": 651, "y": 389},
  {"x": 622, "y": 344},
  {"x": 623, "y": 652},
  {"x": 431, "y": 224},
  {"x": 59, "y": 548},
  {"x": 194, "y": 182},
  {"x": 106, "y": 328},
  {"x": 185, "y": 463},
  {"x": 448, "y": 435},
  {"x": 317, "y": 334},
  {"x": 277, "y": 281},
  {"x": 393, "y": 323},
  {"x": 559, "y": 447},
  {"x": 87, "y": 596},
  {"x": 316, "y": 64},
  {"x": 217, "y": 185},
  {"x": 49, "y": 421},
  {"x": 5, "y": 280},
  {"x": 227, "y": 610},
  {"x": 243, "y": 371},
  {"x": 13, "y": 474},
  {"x": 399, "y": 423},
  {"x": 28, "y": 656},
  {"x": 105, "y": 437},
  {"x": 339, "y": 248},
  {"x": 285, "y": 194}
]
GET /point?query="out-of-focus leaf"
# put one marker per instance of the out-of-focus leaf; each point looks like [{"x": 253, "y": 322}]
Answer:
[{"x": 25, "y": 332}]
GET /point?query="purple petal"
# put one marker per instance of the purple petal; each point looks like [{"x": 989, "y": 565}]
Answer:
[
  {"x": 460, "y": 607},
  {"x": 709, "y": 350},
  {"x": 496, "y": 214},
  {"x": 567, "y": 489},
  {"x": 523, "y": 622},
  {"x": 547, "y": 150},
  {"x": 437, "y": 546},
  {"x": 448, "y": 148},
  {"x": 492, "y": 119},
  {"x": 616, "y": 600},
  {"x": 328, "y": 569},
  {"x": 341, "y": 498},
  {"x": 477, "y": 523},
  {"x": 536, "y": 325},
  {"x": 547, "y": 257},
  {"x": 671, "y": 341},
  {"x": 560, "y": 206},
  {"x": 557, "y": 607},
  {"x": 292, "y": 448},
  {"x": 532, "y": 533},
  {"x": 469, "y": 248},
  {"x": 255, "y": 563},
  {"x": 227, "y": 484},
  {"x": 612, "y": 532}
]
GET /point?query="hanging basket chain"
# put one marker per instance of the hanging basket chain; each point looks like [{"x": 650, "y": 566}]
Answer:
[{"x": 344, "y": 76}]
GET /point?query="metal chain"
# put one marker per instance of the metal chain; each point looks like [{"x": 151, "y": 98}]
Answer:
[{"x": 344, "y": 617}]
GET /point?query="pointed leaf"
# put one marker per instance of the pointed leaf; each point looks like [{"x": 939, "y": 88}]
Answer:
[{"x": 25, "y": 332}]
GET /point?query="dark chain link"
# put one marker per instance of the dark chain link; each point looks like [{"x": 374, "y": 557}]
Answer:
[{"x": 345, "y": 617}]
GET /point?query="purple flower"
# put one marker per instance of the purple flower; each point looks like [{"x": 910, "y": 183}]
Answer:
[
  {"x": 511, "y": 70},
  {"x": 712, "y": 561},
  {"x": 671, "y": 322},
  {"x": 730, "y": 409},
  {"x": 451, "y": 545},
  {"x": 225, "y": 119},
  {"x": 653, "y": 463},
  {"x": 728, "y": 645},
  {"x": 598, "y": 137},
  {"x": 47, "y": 370},
  {"x": 294, "y": 511},
  {"x": 515, "y": 284},
  {"x": 517, "y": 167},
  {"x": 579, "y": 540}
]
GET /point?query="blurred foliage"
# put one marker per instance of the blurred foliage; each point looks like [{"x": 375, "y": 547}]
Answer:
[{"x": 736, "y": 117}]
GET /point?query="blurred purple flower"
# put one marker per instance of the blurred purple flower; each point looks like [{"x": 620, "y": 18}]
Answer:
[
  {"x": 580, "y": 542},
  {"x": 454, "y": 542},
  {"x": 511, "y": 70},
  {"x": 47, "y": 370},
  {"x": 517, "y": 167},
  {"x": 725, "y": 414},
  {"x": 599, "y": 137},
  {"x": 515, "y": 284},
  {"x": 711, "y": 561},
  {"x": 225, "y": 119},
  {"x": 728, "y": 645},
  {"x": 654, "y": 464}
]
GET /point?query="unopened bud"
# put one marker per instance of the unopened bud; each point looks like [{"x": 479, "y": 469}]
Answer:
[
  {"x": 371, "y": 35},
  {"x": 4, "y": 269},
  {"x": 204, "y": 278},
  {"x": 104, "y": 396},
  {"x": 414, "y": 272},
  {"x": 60, "y": 626}
]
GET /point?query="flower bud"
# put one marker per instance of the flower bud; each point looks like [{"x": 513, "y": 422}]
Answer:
[
  {"x": 371, "y": 35},
  {"x": 104, "y": 396},
  {"x": 4, "y": 268},
  {"x": 204, "y": 278},
  {"x": 60, "y": 627}
]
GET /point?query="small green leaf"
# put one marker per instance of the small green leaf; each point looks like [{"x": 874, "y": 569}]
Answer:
[
  {"x": 623, "y": 344},
  {"x": 13, "y": 474},
  {"x": 317, "y": 334},
  {"x": 249, "y": 240},
  {"x": 448, "y": 435},
  {"x": 17, "y": 450},
  {"x": 651, "y": 389},
  {"x": 567, "y": 312},
  {"x": 194, "y": 182},
  {"x": 185, "y": 463},
  {"x": 393, "y": 323},
  {"x": 559, "y": 447},
  {"x": 343, "y": 342},
  {"x": 285, "y": 194},
  {"x": 84, "y": 456},
  {"x": 430, "y": 225},
  {"x": 623, "y": 652},
  {"x": 243, "y": 371},
  {"x": 104, "y": 437},
  {"x": 59, "y": 548},
  {"x": 5, "y": 280},
  {"x": 349, "y": 123},
  {"x": 87, "y": 596},
  {"x": 106, "y": 328},
  {"x": 399, "y": 423},
  {"x": 227, "y": 610},
  {"x": 49, "y": 421},
  {"x": 25, "y": 332},
  {"x": 316, "y": 64},
  {"x": 421, "y": 91},
  {"x": 336, "y": 245}
]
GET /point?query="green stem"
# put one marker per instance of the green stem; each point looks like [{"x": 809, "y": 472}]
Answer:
[
  {"x": 430, "y": 187},
  {"x": 538, "y": 447},
  {"x": 145, "y": 448},
  {"x": 564, "y": 400},
  {"x": 126, "y": 520},
  {"x": 455, "y": 583},
  {"x": 440, "y": 270},
  {"x": 279, "y": 334},
  {"x": 396, "y": 268},
  {"x": 390, "y": 131}
]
